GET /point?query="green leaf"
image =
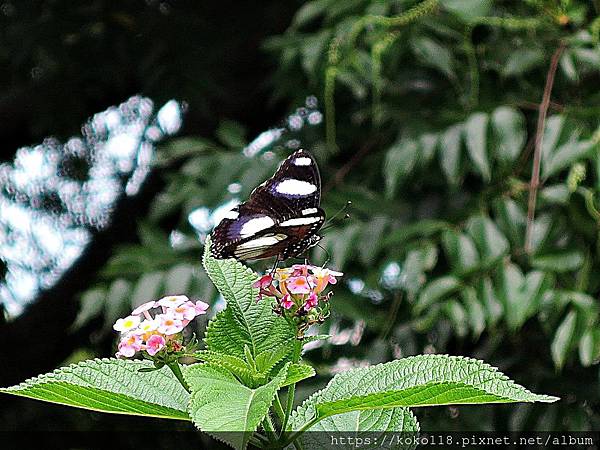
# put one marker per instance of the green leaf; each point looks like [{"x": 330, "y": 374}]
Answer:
[
  {"x": 520, "y": 295},
  {"x": 566, "y": 261},
  {"x": 422, "y": 228},
  {"x": 460, "y": 251},
  {"x": 475, "y": 311},
  {"x": 490, "y": 241},
  {"x": 476, "y": 141},
  {"x": 553, "y": 130},
  {"x": 424, "y": 380},
  {"x": 562, "y": 343},
  {"x": 147, "y": 288},
  {"x": 435, "y": 55},
  {"x": 468, "y": 9},
  {"x": 223, "y": 407},
  {"x": 458, "y": 317},
  {"x": 112, "y": 386},
  {"x": 436, "y": 290},
  {"x": 521, "y": 61},
  {"x": 565, "y": 155},
  {"x": 510, "y": 132},
  {"x": 245, "y": 321},
  {"x": 231, "y": 134},
  {"x": 450, "y": 153},
  {"x": 399, "y": 162},
  {"x": 237, "y": 366},
  {"x": 298, "y": 372}
]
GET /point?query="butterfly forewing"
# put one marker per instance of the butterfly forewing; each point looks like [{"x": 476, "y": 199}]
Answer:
[{"x": 280, "y": 219}]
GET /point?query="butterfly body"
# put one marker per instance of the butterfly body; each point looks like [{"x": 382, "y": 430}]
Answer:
[{"x": 280, "y": 219}]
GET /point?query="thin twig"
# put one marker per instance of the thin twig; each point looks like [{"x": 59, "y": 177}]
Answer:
[
  {"x": 539, "y": 138},
  {"x": 341, "y": 173}
]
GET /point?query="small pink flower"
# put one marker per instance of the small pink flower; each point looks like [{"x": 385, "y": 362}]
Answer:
[
  {"x": 263, "y": 282},
  {"x": 311, "y": 302},
  {"x": 129, "y": 345},
  {"x": 146, "y": 326},
  {"x": 172, "y": 300},
  {"x": 169, "y": 324},
  {"x": 201, "y": 307},
  {"x": 299, "y": 270},
  {"x": 287, "y": 301},
  {"x": 155, "y": 344},
  {"x": 298, "y": 285},
  {"x": 126, "y": 324},
  {"x": 143, "y": 308},
  {"x": 185, "y": 311},
  {"x": 324, "y": 277}
]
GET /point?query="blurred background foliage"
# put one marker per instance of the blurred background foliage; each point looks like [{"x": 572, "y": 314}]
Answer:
[{"x": 424, "y": 115}]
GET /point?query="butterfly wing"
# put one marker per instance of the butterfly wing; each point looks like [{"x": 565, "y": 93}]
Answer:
[{"x": 281, "y": 217}]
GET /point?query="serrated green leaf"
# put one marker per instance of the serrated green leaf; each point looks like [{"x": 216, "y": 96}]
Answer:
[
  {"x": 223, "y": 407},
  {"x": 424, "y": 380},
  {"x": 476, "y": 142},
  {"x": 112, "y": 386},
  {"x": 237, "y": 366},
  {"x": 510, "y": 132},
  {"x": 245, "y": 321},
  {"x": 298, "y": 372}
]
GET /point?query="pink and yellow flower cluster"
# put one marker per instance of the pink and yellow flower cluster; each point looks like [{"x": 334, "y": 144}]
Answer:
[
  {"x": 143, "y": 331},
  {"x": 298, "y": 290}
]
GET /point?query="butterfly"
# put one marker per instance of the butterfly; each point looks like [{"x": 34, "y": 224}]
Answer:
[{"x": 281, "y": 218}]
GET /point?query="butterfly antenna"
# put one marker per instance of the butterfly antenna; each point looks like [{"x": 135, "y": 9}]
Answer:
[{"x": 331, "y": 221}]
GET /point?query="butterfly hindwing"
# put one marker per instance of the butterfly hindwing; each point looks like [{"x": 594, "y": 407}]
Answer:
[{"x": 281, "y": 218}]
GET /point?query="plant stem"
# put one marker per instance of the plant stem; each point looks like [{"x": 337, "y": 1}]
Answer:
[
  {"x": 174, "y": 366},
  {"x": 269, "y": 428},
  {"x": 292, "y": 389},
  {"x": 539, "y": 137},
  {"x": 298, "y": 433},
  {"x": 279, "y": 408}
]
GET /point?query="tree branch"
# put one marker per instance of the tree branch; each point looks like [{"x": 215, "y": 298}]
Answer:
[{"x": 539, "y": 137}]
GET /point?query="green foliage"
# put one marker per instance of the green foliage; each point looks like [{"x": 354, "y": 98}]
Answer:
[
  {"x": 110, "y": 385},
  {"x": 246, "y": 324},
  {"x": 224, "y": 407}
]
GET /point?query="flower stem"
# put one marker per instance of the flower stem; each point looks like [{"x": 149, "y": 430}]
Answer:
[
  {"x": 279, "y": 408},
  {"x": 174, "y": 366},
  {"x": 292, "y": 389}
]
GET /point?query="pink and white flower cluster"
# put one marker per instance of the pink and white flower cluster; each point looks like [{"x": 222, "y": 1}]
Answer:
[
  {"x": 143, "y": 331},
  {"x": 298, "y": 289}
]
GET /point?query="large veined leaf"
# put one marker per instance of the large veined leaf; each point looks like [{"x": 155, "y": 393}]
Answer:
[
  {"x": 222, "y": 406},
  {"x": 245, "y": 322},
  {"x": 112, "y": 386},
  {"x": 423, "y": 380}
]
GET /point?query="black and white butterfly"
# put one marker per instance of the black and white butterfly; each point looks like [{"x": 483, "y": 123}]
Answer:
[{"x": 280, "y": 219}]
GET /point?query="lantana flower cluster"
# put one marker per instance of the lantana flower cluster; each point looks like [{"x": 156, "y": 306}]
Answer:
[
  {"x": 299, "y": 292},
  {"x": 157, "y": 325}
]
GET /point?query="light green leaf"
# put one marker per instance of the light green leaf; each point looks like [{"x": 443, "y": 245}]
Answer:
[
  {"x": 510, "y": 132},
  {"x": 435, "y": 55},
  {"x": 423, "y": 380},
  {"x": 245, "y": 321},
  {"x": 474, "y": 310},
  {"x": 520, "y": 294},
  {"x": 552, "y": 132},
  {"x": 565, "y": 155},
  {"x": 436, "y": 290},
  {"x": 468, "y": 10},
  {"x": 450, "y": 153},
  {"x": 112, "y": 386},
  {"x": 562, "y": 343},
  {"x": 223, "y": 407},
  {"x": 511, "y": 219},
  {"x": 490, "y": 241},
  {"x": 237, "y": 366},
  {"x": 399, "y": 162},
  {"x": 458, "y": 317},
  {"x": 493, "y": 307},
  {"x": 476, "y": 141},
  {"x": 460, "y": 251},
  {"x": 566, "y": 261},
  {"x": 178, "y": 279},
  {"x": 147, "y": 288},
  {"x": 521, "y": 61}
]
